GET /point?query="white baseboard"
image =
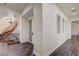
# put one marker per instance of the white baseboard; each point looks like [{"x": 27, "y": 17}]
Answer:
[
  {"x": 36, "y": 54},
  {"x": 50, "y": 52}
]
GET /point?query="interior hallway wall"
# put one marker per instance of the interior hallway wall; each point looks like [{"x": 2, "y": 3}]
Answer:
[
  {"x": 51, "y": 39},
  {"x": 24, "y": 36},
  {"x": 44, "y": 27},
  {"x": 37, "y": 28}
]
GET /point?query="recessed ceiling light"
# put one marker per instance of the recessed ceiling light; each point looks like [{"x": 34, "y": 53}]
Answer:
[{"x": 73, "y": 8}]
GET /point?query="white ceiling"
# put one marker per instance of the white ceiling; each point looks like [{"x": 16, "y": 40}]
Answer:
[
  {"x": 6, "y": 8},
  {"x": 67, "y": 8},
  {"x": 17, "y": 7}
]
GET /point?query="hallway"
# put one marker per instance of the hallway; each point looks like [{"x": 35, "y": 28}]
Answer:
[
  {"x": 69, "y": 48},
  {"x": 50, "y": 28},
  {"x": 47, "y": 26}
]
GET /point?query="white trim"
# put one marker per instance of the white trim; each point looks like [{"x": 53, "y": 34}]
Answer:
[
  {"x": 50, "y": 52},
  {"x": 36, "y": 54},
  {"x": 26, "y": 10},
  {"x": 20, "y": 29}
]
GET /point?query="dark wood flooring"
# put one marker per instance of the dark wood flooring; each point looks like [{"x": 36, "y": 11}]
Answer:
[
  {"x": 19, "y": 49},
  {"x": 69, "y": 48}
]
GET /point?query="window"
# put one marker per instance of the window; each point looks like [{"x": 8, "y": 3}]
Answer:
[
  {"x": 58, "y": 24},
  {"x": 65, "y": 26},
  {"x": 62, "y": 25}
]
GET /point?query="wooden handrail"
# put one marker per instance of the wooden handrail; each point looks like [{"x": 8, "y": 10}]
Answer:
[
  {"x": 9, "y": 26},
  {"x": 6, "y": 33},
  {"x": 11, "y": 29}
]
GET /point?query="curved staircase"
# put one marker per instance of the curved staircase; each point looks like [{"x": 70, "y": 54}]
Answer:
[{"x": 7, "y": 32}]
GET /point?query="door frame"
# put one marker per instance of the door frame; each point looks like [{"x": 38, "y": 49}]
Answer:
[{"x": 28, "y": 15}]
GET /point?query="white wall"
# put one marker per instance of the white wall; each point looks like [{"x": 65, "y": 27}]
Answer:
[
  {"x": 36, "y": 27},
  {"x": 52, "y": 40},
  {"x": 24, "y": 36}
]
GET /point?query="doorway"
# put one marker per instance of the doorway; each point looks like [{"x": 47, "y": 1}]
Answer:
[
  {"x": 28, "y": 16},
  {"x": 75, "y": 30},
  {"x": 30, "y": 30}
]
